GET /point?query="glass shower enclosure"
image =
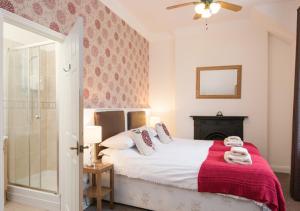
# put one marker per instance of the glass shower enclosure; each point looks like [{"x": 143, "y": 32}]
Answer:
[{"x": 31, "y": 117}]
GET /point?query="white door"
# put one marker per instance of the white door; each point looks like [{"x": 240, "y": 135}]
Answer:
[
  {"x": 71, "y": 117},
  {"x": 1, "y": 119}
]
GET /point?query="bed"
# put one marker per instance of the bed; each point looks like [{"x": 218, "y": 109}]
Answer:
[{"x": 167, "y": 180}]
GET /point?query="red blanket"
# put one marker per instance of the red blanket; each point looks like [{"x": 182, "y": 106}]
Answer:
[{"x": 256, "y": 181}]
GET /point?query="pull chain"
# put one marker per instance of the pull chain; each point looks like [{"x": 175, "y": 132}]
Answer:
[{"x": 206, "y": 25}]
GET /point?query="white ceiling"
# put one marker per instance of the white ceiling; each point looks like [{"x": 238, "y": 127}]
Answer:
[{"x": 153, "y": 15}]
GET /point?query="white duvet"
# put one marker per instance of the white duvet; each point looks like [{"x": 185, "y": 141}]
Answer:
[{"x": 176, "y": 164}]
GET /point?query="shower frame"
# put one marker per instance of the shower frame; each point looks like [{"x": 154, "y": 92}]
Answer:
[{"x": 39, "y": 44}]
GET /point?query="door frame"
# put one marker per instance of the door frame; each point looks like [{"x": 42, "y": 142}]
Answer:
[
  {"x": 29, "y": 25},
  {"x": 16, "y": 20}
]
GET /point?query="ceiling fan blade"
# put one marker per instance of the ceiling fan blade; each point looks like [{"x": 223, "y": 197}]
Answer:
[
  {"x": 182, "y": 5},
  {"x": 197, "y": 16},
  {"x": 230, "y": 6}
]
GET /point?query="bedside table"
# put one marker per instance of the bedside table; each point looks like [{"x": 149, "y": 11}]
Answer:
[{"x": 97, "y": 190}]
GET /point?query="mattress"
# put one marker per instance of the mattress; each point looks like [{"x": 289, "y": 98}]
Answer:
[
  {"x": 168, "y": 178},
  {"x": 151, "y": 196}
]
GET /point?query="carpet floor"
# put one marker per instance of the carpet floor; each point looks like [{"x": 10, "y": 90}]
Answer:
[
  {"x": 291, "y": 205},
  {"x": 284, "y": 179}
]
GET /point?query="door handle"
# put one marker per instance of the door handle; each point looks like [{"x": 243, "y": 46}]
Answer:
[
  {"x": 75, "y": 148},
  {"x": 78, "y": 148}
]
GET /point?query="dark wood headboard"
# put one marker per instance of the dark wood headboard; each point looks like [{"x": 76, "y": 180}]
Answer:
[
  {"x": 112, "y": 122},
  {"x": 136, "y": 119}
]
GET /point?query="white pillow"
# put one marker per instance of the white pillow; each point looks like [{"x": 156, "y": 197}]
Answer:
[
  {"x": 143, "y": 142},
  {"x": 163, "y": 133},
  {"x": 120, "y": 141}
]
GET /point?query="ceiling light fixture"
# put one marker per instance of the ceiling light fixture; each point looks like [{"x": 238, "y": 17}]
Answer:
[
  {"x": 207, "y": 9},
  {"x": 214, "y": 7},
  {"x": 199, "y": 8},
  {"x": 206, "y": 13}
]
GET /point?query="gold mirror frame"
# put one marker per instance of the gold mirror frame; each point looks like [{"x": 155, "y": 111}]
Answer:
[{"x": 237, "y": 95}]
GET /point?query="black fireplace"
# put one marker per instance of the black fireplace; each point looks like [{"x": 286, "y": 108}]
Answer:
[{"x": 218, "y": 128}]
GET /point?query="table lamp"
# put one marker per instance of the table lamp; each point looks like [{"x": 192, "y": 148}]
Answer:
[{"x": 92, "y": 136}]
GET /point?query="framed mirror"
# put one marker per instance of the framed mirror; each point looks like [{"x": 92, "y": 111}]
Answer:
[{"x": 219, "y": 82}]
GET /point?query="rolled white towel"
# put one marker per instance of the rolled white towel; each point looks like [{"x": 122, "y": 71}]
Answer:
[
  {"x": 243, "y": 160},
  {"x": 239, "y": 151},
  {"x": 233, "y": 142}
]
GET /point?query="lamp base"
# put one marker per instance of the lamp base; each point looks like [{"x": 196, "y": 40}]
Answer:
[{"x": 93, "y": 156}]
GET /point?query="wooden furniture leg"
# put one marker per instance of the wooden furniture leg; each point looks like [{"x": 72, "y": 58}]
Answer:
[
  {"x": 111, "y": 204},
  {"x": 96, "y": 190},
  {"x": 99, "y": 193}
]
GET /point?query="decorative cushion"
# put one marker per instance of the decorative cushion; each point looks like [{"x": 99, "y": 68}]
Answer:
[
  {"x": 156, "y": 143},
  {"x": 120, "y": 141},
  {"x": 152, "y": 132},
  {"x": 153, "y": 135},
  {"x": 143, "y": 141},
  {"x": 163, "y": 133}
]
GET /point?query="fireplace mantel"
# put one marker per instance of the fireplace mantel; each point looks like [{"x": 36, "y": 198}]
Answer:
[
  {"x": 218, "y": 127},
  {"x": 219, "y": 117}
]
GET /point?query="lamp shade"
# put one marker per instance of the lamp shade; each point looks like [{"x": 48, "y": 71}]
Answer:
[
  {"x": 215, "y": 7},
  {"x": 206, "y": 13},
  {"x": 92, "y": 134},
  {"x": 199, "y": 8},
  {"x": 154, "y": 120}
]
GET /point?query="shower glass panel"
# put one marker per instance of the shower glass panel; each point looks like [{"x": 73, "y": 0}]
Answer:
[
  {"x": 31, "y": 122},
  {"x": 17, "y": 117}
]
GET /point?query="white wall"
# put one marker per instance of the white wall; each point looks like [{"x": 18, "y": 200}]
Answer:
[
  {"x": 230, "y": 43},
  {"x": 282, "y": 12},
  {"x": 161, "y": 80},
  {"x": 280, "y": 107}
]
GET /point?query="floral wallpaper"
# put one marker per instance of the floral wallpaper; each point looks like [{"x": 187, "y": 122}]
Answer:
[{"x": 116, "y": 57}]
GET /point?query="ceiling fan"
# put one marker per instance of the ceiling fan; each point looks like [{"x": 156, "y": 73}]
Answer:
[{"x": 206, "y": 8}]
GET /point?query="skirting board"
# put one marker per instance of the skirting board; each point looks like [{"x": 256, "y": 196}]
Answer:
[
  {"x": 281, "y": 169},
  {"x": 35, "y": 198}
]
